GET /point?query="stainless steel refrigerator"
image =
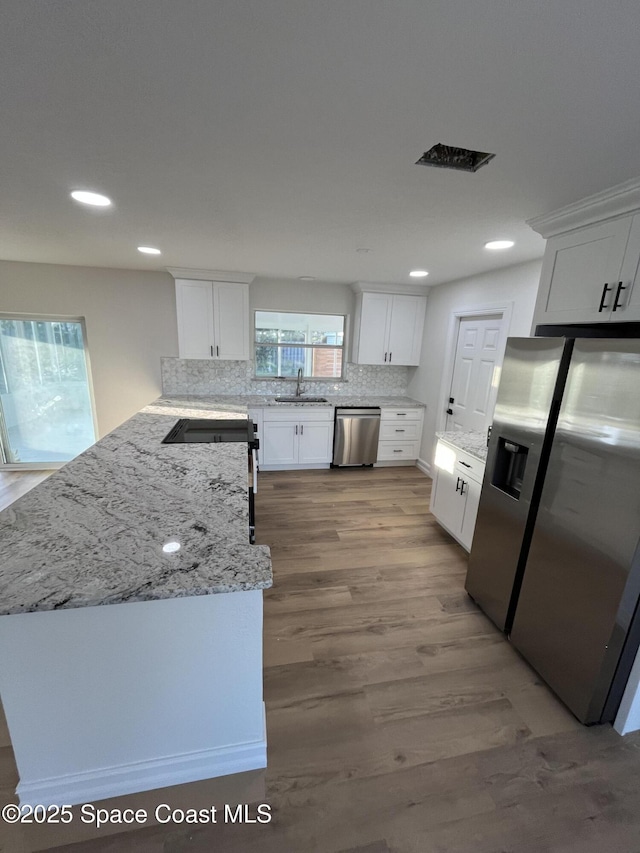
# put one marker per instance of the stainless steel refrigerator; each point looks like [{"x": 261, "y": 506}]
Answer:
[{"x": 555, "y": 560}]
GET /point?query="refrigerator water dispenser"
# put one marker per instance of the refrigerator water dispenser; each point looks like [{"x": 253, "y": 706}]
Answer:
[{"x": 511, "y": 462}]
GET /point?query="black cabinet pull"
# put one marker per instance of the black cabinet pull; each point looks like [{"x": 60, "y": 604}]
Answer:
[
  {"x": 458, "y": 485},
  {"x": 466, "y": 464},
  {"x": 218, "y": 351},
  {"x": 399, "y": 430},
  {"x": 385, "y": 356},
  {"x": 449, "y": 411},
  {"x": 605, "y": 290},
  {"x": 301, "y": 429},
  {"x": 464, "y": 483},
  {"x": 211, "y": 350},
  {"x": 616, "y": 301},
  {"x": 390, "y": 354}
]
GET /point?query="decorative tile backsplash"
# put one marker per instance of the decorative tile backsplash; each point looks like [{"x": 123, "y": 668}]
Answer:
[{"x": 194, "y": 376}]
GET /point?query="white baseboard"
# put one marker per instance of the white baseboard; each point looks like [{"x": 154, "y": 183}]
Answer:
[
  {"x": 316, "y": 466},
  {"x": 425, "y": 467},
  {"x": 77, "y": 788}
]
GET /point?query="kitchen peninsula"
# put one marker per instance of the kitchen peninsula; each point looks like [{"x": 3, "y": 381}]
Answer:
[{"x": 164, "y": 685}]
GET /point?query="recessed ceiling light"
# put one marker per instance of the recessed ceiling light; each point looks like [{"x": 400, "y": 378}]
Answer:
[
  {"x": 306, "y": 278},
  {"x": 499, "y": 244},
  {"x": 95, "y": 199},
  {"x": 418, "y": 273},
  {"x": 149, "y": 250}
]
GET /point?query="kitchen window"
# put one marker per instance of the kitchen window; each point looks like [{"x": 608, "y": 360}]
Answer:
[
  {"x": 46, "y": 405},
  {"x": 286, "y": 341}
]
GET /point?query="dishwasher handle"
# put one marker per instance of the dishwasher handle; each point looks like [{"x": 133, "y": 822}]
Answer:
[{"x": 358, "y": 413}]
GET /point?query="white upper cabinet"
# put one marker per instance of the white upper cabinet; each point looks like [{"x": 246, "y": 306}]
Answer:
[
  {"x": 590, "y": 269},
  {"x": 213, "y": 319},
  {"x": 388, "y": 328}
]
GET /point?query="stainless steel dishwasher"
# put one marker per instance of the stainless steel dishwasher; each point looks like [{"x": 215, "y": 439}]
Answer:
[{"x": 355, "y": 440}]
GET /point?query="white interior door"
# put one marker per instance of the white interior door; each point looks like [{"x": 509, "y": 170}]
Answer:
[{"x": 479, "y": 349}]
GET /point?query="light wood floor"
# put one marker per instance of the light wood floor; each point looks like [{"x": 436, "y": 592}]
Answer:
[
  {"x": 14, "y": 484},
  {"x": 398, "y": 718}
]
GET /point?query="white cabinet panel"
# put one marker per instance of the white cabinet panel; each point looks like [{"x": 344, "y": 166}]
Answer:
[
  {"x": 400, "y": 435},
  {"x": 455, "y": 495},
  {"x": 213, "y": 319},
  {"x": 471, "y": 498},
  {"x": 628, "y": 297},
  {"x": 374, "y": 328},
  {"x": 194, "y": 306},
  {"x": 580, "y": 274},
  {"x": 315, "y": 442},
  {"x": 446, "y": 504},
  {"x": 280, "y": 443},
  {"x": 388, "y": 328},
  {"x": 293, "y": 437},
  {"x": 231, "y": 320},
  {"x": 406, "y": 328}
]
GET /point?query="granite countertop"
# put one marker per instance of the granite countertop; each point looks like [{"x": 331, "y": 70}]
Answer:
[
  {"x": 92, "y": 533},
  {"x": 472, "y": 442},
  {"x": 257, "y": 401}
]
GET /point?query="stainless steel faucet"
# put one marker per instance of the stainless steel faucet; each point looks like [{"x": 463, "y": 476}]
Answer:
[{"x": 299, "y": 388}]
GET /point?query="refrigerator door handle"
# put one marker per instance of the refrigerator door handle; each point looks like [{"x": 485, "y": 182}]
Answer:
[
  {"x": 616, "y": 301},
  {"x": 605, "y": 290}
]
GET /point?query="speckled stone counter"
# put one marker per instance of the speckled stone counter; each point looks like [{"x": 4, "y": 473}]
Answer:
[
  {"x": 473, "y": 443},
  {"x": 92, "y": 533},
  {"x": 256, "y": 401}
]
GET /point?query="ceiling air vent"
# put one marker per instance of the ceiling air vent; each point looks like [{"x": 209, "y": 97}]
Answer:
[{"x": 448, "y": 157}]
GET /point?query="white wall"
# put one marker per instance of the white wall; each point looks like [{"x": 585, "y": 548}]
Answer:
[
  {"x": 130, "y": 318},
  {"x": 293, "y": 295},
  {"x": 517, "y": 285}
]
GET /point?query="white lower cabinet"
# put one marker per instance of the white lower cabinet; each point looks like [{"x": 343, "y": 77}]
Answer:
[
  {"x": 295, "y": 438},
  {"x": 400, "y": 435},
  {"x": 456, "y": 491}
]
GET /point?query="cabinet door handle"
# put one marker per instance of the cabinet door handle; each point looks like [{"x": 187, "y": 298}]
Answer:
[
  {"x": 616, "y": 301},
  {"x": 390, "y": 354},
  {"x": 211, "y": 350},
  {"x": 466, "y": 464},
  {"x": 301, "y": 429},
  {"x": 458, "y": 485},
  {"x": 397, "y": 451},
  {"x": 296, "y": 429},
  {"x": 464, "y": 483},
  {"x": 400, "y": 430},
  {"x": 401, "y": 414},
  {"x": 218, "y": 351},
  {"x": 449, "y": 411},
  {"x": 605, "y": 290},
  {"x": 385, "y": 356}
]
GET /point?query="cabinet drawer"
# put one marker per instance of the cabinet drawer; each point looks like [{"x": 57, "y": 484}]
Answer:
[
  {"x": 299, "y": 414},
  {"x": 401, "y": 414},
  {"x": 469, "y": 467},
  {"x": 388, "y": 450},
  {"x": 400, "y": 431}
]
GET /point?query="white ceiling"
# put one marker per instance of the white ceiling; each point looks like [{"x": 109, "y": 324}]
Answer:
[{"x": 278, "y": 137}]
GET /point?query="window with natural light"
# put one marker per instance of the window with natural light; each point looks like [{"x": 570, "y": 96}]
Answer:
[
  {"x": 286, "y": 341},
  {"x": 46, "y": 414}
]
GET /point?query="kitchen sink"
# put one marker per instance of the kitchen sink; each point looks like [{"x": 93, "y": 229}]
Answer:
[{"x": 301, "y": 400}]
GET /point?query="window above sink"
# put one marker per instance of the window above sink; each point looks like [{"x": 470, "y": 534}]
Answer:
[{"x": 287, "y": 341}]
